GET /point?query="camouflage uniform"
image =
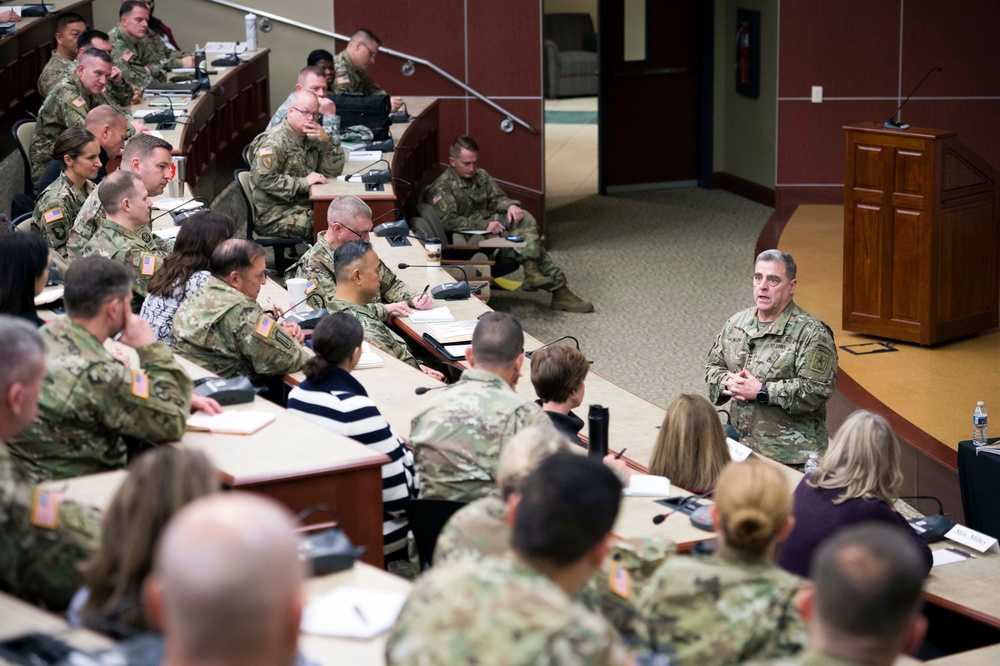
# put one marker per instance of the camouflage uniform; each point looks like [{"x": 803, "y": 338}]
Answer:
[
  {"x": 89, "y": 400},
  {"x": 136, "y": 250},
  {"x": 796, "y": 357},
  {"x": 56, "y": 209},
  {"x": 377, "y": 333},
  {"x": 55, "y": 70},
  {"x": 349, "y": 78},
  {"x": 472, "y": 204},
  {"x": 85, "y": 224},
  {"x": 330, "y": 123},
  {"x": 457, "y": 439},
  {"x": 317, "y": 265},
  {"x": 280, "y": 160},
  {"x": 41, "y": 564},
  {"x": 66, "y": 106},
  {"x": 808, "y": 658},
  {"x": 498, "y": 611},
  {"x": 133, "y": 59},
  {"x": 226, "y": 332},
  {"x": 475, "y": 531},
  {"x": 712, "y": 611}
]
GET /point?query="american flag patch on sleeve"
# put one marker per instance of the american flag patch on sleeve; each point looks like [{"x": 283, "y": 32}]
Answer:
[
  {"x": 140, "y": 384},
  {"x": 45, "y": 512}
]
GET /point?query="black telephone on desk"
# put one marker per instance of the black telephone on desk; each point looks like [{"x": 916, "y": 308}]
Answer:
[{"x": 235, "y": 391}]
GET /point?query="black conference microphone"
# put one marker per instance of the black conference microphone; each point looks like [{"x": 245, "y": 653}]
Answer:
[
  {"x": 230, "y": 60},
  {"x": 162, "y": 117},
  {"x": 449, "y": 291},
  {"x": 385, "y": 145},
  {"x": 895, "y": 124},
  {"x": 528, "y": 354},
  {"x": 34, "y": 10},
  {"x": 202, "y": 200},
  {"x": 374, "y": 173},
  {"x": 420, "y": 390},
  {"x": 680, "y": 506}
]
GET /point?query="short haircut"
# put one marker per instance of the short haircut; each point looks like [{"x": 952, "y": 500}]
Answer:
[
  {"x": 568, "y": 504},
  {"x": 319, "y": 55},
  {"x": 498, "y": 339},
  {"x": 21, "y": 351},
  {"x": 116, "y": 186},
  {"x": 343, "y": 210},
  {"x": 96, "y": 54},
  {"x": 754, "y": 504},
  {"x": 307, "y": 70},
  {"x": 93, "y": 281},
  {"x": 71, "y": 142},
  {"x": 524, "y": 453},
  {"x": 780, "y": 257},
  {"x": 364, "y": 34},
  {"x": 105, "y": 114},
  {"x": 130, "y": 5},
  {"x": 23, "y": 257},
  {"x": 869, "y": 580},
  {"x": 334, "y": 339},
  {"x": 67, "y": 19},
  {"x": 87, "y": 37},
  {"x": 347, "y": 256},
  {"x": 235, "y": 254},
  {"x": 557, "y": 371},
  {"x": 466, "y": 142},
  {"x": 142, "y": 146}
]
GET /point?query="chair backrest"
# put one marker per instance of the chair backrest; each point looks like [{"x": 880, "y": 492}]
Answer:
[
  {"x": 427, "y": 517},
  {"x": 567, "y": 30},
  {"x": 21, "y": 223},
  {"x": 430, "y": 216},
  {"x": 242, "y": 177},
  {"x": 246, "y": 156},
  {"x": 24, "y": 134}
]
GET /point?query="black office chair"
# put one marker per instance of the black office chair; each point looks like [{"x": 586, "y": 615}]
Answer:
[
  {"x": 279, "y": 245},
  {"x": 427, "y": 517}
]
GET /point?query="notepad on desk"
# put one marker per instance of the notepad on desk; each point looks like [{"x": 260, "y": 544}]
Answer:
[
  {"x": 233, "y": 422},
  {"x": 369, "y": 359},
  {"x": 365, "y": 156},
  {"x": 453, "y": 331},
  {"x": 647, "y": 485},
  {"x": 352, "y": 612},
  {"x": 432, "y": 316}
]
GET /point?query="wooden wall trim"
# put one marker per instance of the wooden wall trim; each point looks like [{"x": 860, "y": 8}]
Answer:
[{"x": 743, "y": 188}]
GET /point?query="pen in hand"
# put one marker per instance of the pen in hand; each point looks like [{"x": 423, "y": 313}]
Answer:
[
  {"x": 621, "y": 453},
  {"x": 424, "y": 293}
]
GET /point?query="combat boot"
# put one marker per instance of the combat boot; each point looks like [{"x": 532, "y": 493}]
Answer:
[
  {"x": 564, "y": 299},
  {"x": 533, "y": 278}
]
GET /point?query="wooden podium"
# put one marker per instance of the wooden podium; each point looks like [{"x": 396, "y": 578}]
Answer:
[{"x": 921, "y": 234}]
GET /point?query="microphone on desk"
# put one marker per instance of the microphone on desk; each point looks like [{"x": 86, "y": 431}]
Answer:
[
  {"x": 34, "y": 10},
  {"x": 231, "y": 60},
  {"x": 449, "y": 291},
  {"x": 203, "y": 200},
  {"x": 400, "y": 116},
  {"x": 162, "y": 117},
  {"x": 387, "y": 176},
  {"x": 385, "y": 145},
  {"x": 528, "y": 354},
  {"x": 420, "y": 390},
  {"x": 680, "y": 506},
  {"x": 895, "y": 124}
]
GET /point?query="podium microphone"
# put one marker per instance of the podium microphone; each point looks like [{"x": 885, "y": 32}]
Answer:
[
  {"x": 449, "y": 291},
  {"x": 895, "y": 124}
]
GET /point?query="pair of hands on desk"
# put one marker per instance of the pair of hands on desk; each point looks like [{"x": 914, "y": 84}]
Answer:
[{"x": 514, "y": 215}]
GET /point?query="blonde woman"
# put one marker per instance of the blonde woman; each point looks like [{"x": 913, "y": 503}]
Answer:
[
  {"x": 691, "y": 448},
  {"x": 736, "y": 605},
  {"x": 857, "y": 481}
]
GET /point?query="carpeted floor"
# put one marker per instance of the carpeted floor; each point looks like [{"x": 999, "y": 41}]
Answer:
[{"x": 664, "y": 269}]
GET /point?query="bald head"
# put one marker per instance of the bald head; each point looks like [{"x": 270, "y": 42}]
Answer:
[
  {"x": 227, "y": 582},
  {"x": 109, "y": 126},
  {"x": 304, "y": 111}
]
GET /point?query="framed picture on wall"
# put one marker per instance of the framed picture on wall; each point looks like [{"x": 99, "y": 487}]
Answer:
[{"x": 748, "y": 52}]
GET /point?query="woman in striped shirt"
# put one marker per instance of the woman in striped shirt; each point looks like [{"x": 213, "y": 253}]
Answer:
[{"x": 331, "y": 398}]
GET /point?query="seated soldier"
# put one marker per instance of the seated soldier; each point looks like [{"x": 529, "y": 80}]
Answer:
[
  {"x": 69, "y": 25},
  {"x": 467, "y": 198},
  {"x": 351, "y": 63},
  {"x": 123, "y": 235},
  {"x": 223, "y": 329},
  {"x": 324, "y": 60},
  {"x": 457, "y": 439},
  {"x": 313, "y": 80},
  {"x": 39, "y": 559},
  {"x": 358, "y": 277},
  {"x": 89, "y": 399},
  {"x": 347, "y": 219},
  {"x": 284, "y": 163},
  {"x": 559, "y": 373},
  {"x": 110, "y": 127},
  {"x": 518, "y": 609},
  {"x": 143, "y": 60}
]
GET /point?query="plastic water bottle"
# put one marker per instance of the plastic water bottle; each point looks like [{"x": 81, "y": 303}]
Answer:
[
  {"x": 979, "y": 434},
  {"x": 251, "y": 37},
  {"x": 812, "y": 465}
]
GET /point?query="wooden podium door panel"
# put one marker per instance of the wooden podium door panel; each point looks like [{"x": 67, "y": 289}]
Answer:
[
  {"x": 965, "y": 261},
  {"x": 870, "y": 168},
  {"x": 910, "y": 173},
  {"x": 867, "y": 260},
  {"x": 909, "y": 267}
]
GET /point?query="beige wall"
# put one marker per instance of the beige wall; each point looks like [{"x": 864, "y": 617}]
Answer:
[
  {"x": 745, "y": 133},
  {"x": 571, "y": 6}
]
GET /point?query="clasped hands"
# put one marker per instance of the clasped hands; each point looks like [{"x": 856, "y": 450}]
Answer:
[{"x": 741, "y": 386}]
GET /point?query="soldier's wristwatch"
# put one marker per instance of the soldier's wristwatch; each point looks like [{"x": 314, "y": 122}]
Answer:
[{"x": 762, "y": 394}]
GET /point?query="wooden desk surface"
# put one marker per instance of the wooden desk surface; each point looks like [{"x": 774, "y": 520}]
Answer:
[
  {"x": 969, "y": 587},
  {"x": 18, "y": 617},
  {"x": 330, "y": 650}
]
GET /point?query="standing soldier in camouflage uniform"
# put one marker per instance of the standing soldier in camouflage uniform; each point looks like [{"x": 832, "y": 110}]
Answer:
[
  {"x": 351, "y": 63},
  {"x": 518, "y": 609},
  {"x": 142, "y": 60},
  {"x": 737, "y": 604},
  {"x": 123, "y": 235},
  {"x": 348, "y": 219},
  {"x": 284, "y": 163},
  {"x": 467, "y": 198},
  {"x": 69, "y": 25},
  {"x": 89, "y": 399},
  {"x": 779, "y": 365},
  {"x": 358, "y": 278},
  {"x": 57, "y": 206},
  {"x": 145, "y": 155},
  {"x": 457, "y": 440},
  {"x": 43, "y": 539},
  {"x": 224, "y": 330}
]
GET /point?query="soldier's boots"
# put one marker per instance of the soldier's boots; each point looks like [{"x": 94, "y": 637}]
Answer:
[
  {"x": 533, "y": 278},
  {"x": 566, "y": 300}
]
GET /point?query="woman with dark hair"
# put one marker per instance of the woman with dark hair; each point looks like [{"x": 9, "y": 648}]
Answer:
[
  {"x": 80, "y": 155},
  {"x": 184, "y": 270},
  {"x": 333, "y": 399},
  {"x": 160, "y": 31},
  {"x": 24, "y": 270}
]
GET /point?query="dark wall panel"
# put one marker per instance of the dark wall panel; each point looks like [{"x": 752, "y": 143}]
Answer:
[{"x": 505, "y": 54}]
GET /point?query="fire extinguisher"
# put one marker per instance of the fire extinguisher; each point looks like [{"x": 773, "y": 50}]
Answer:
[{"x": 743, "y": 55}]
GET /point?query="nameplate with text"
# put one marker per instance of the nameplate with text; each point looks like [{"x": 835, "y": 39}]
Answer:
[{"x": 973, "y": 539}]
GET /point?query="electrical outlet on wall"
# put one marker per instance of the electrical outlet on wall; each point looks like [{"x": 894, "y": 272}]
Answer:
[{"x": 817, "y": 94}]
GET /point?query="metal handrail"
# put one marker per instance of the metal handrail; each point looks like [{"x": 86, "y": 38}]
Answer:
[{"x": 506, "y": 125}]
